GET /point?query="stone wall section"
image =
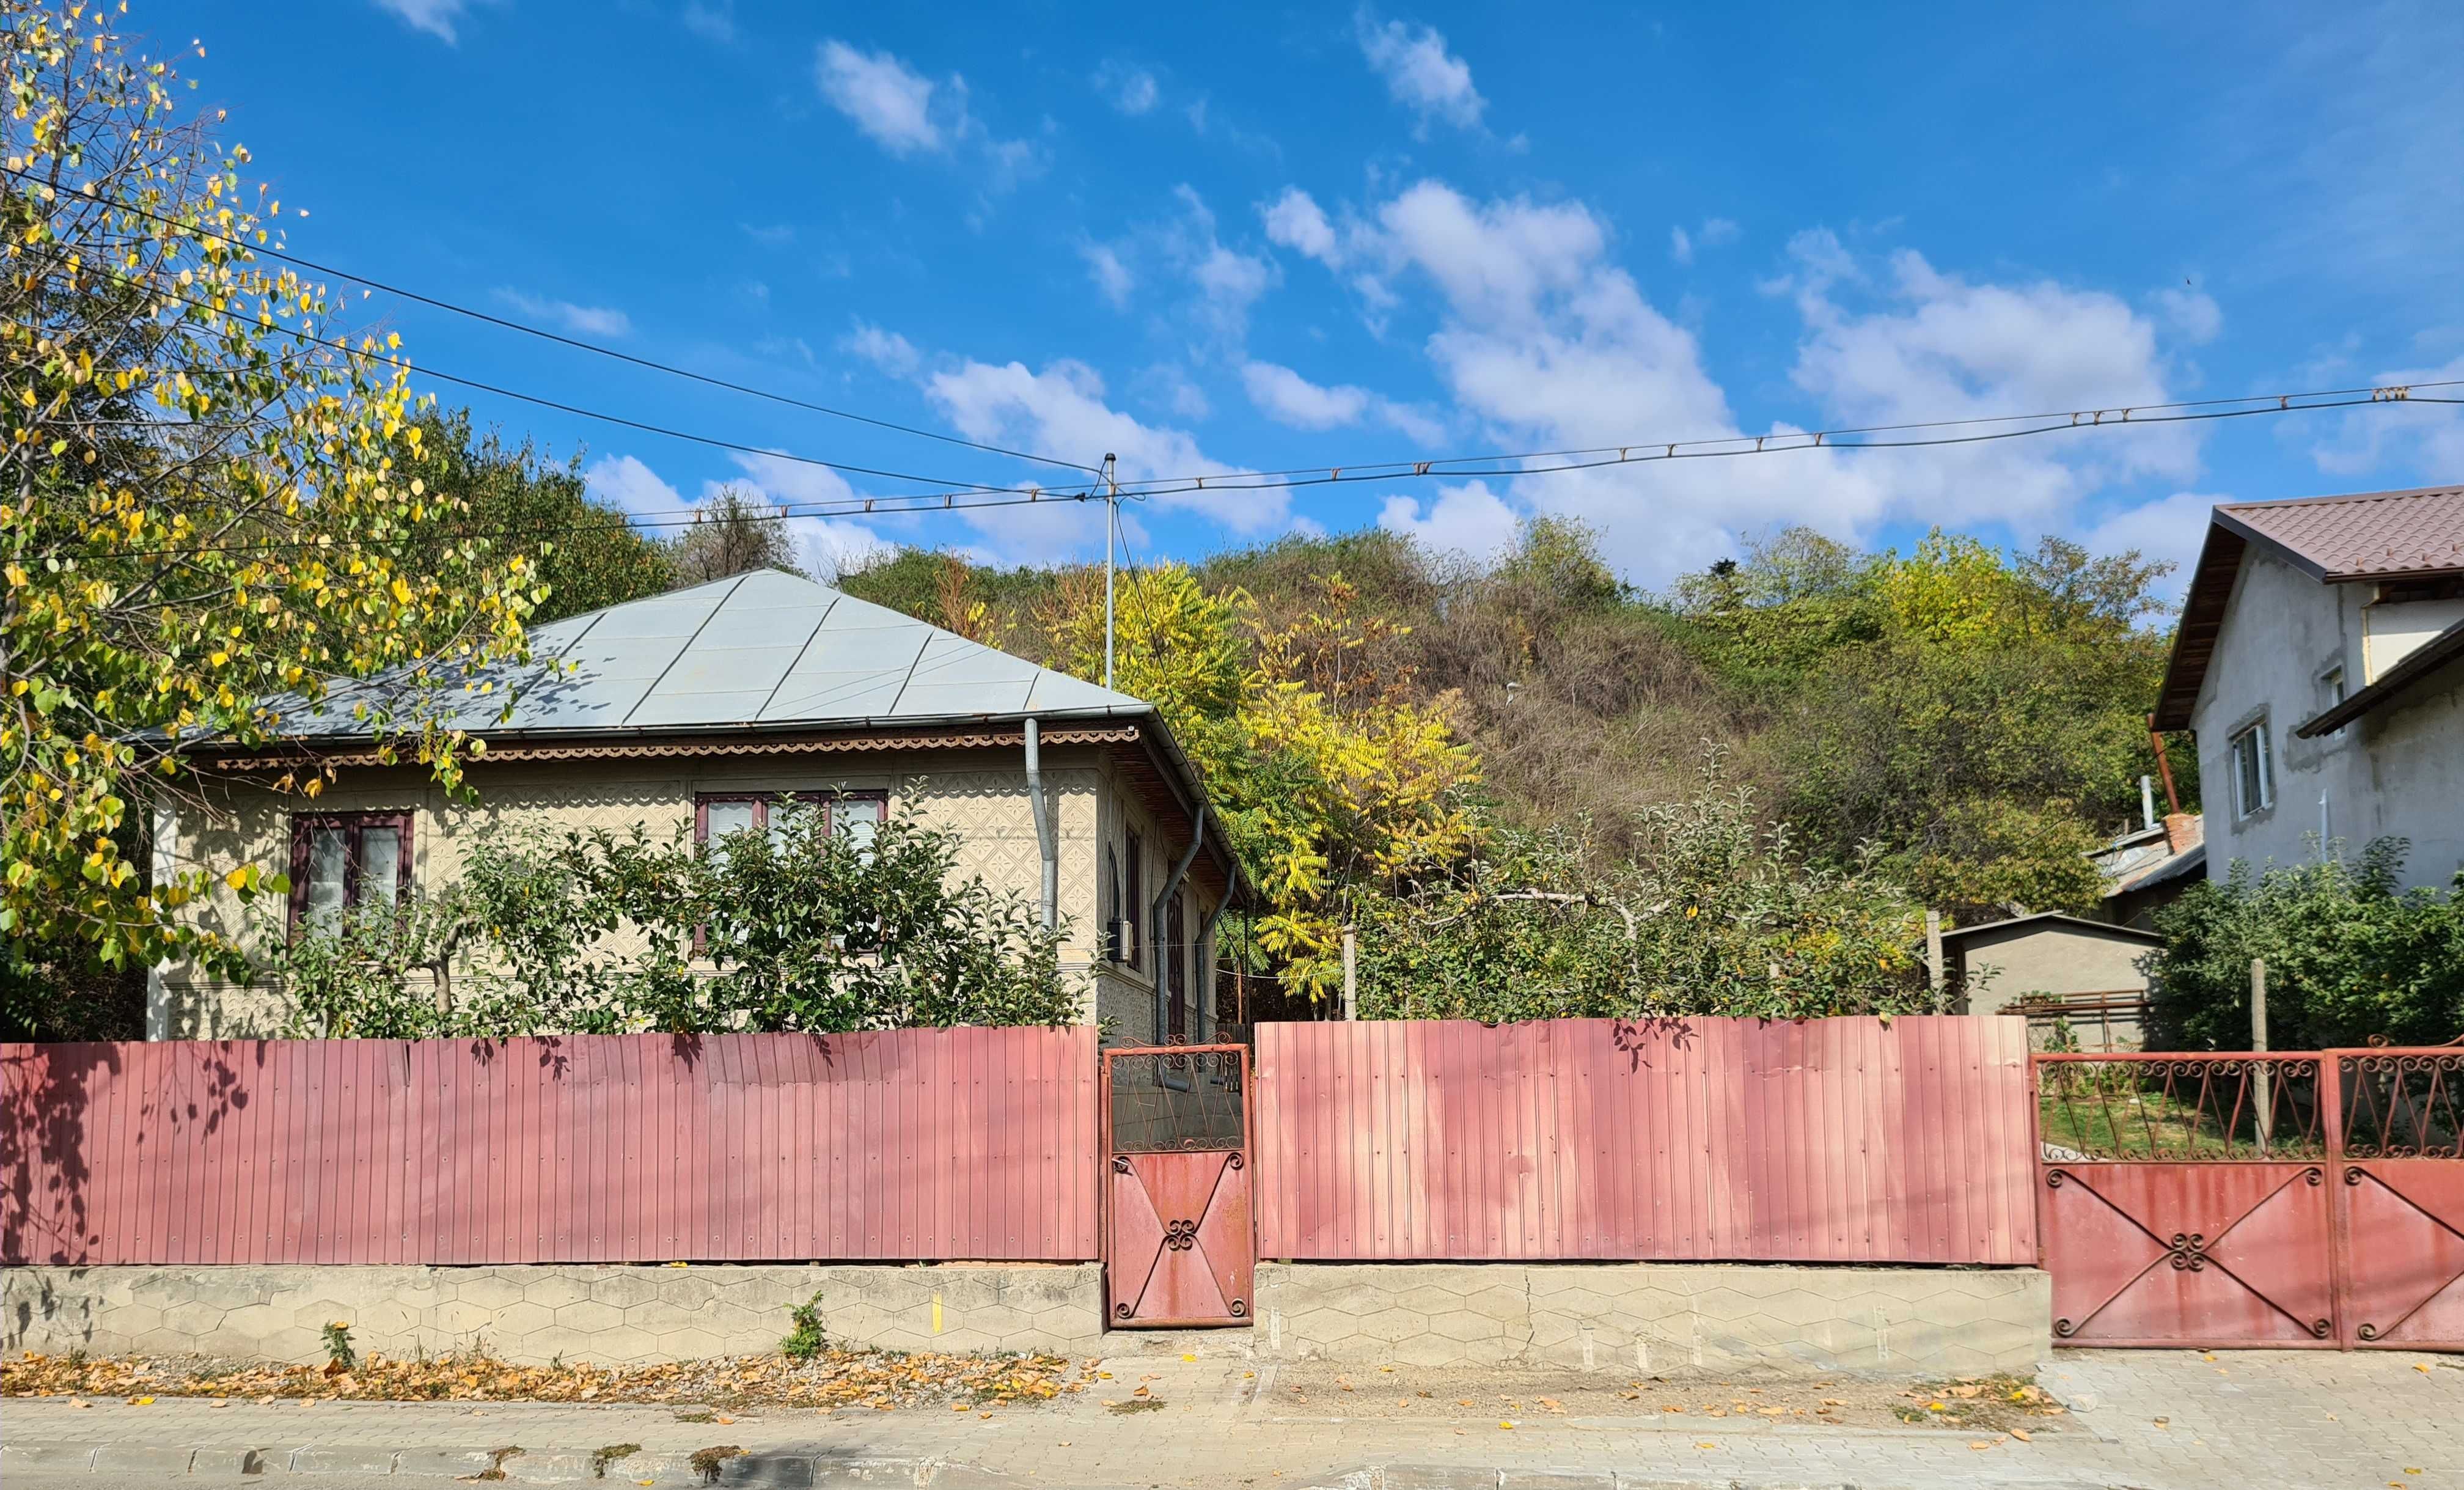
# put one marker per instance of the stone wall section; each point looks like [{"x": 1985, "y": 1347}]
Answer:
[
  {"x": 528, "y": 1316},
  {"x": 1661, "y": 1318}
]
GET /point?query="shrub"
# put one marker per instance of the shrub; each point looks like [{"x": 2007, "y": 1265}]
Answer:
[{"x": 2348, "y": 956}]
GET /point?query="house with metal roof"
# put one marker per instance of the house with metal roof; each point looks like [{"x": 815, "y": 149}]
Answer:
[
  {"x": 2320, "y": 662},
  {"x": 706, "y": 706}
]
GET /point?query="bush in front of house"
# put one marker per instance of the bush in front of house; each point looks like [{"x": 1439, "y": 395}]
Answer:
[
  {"x": 2348, "y": 956},
  {"x": 797, "y": 928}
]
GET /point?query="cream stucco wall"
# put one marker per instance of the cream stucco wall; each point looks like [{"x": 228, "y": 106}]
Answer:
[
  {"x": 980, "y": 792},
  {"x": 2397, "y": 770}
]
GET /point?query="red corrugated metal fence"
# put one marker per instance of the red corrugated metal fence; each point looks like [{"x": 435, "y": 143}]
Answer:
[
  {"x": 909, "y": 1143},
  {"x": 1838, "y": 1140}
]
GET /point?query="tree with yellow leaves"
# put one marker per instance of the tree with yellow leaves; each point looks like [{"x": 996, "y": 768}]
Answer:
[
  {"x": 1328, "y": 777},
  {"x": 203, "y": 504}
]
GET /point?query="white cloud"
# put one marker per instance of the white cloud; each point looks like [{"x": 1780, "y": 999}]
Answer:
[
  {"x": 1288, "y": 398},
  {"x": 2400, "y": 441},
  {"x": 887, "y": 99},
  {"x": 1545, "y": 341},
  {"x": 582, "y": 321},
  {"x": 774, "y": 235},
  {"x": 2192, "y": 313},
  {"x": 1420, "y": 73},
  {"x": 1062, "y": 412},
  {"x": 1110, "y": 271},
  {"x": 1131, "y": 90},
  {"x": 1228, "y": 283},
  {"x": 626, "y": 483},
  {"x": 436, "y": 17},
  {"x": 1295, "y": 221},
  {"x": 1935, "y": 346},
  {"x": 712, "y": 20},
  {"x": 887, "y": 350},
  {"x": 1468, "y": 520},
  {"x": 1711, "y": 234},
  {"x": 2169, "y": 528}
]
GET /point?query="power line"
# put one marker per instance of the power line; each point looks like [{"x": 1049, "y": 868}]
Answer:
[
  {"x": 542, "y": 333},
  {"x": 344, "y": 345}
]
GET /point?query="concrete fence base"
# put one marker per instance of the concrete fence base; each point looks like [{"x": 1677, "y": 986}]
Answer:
[
  {"x": 1659, "y": 1318},
  {"x": 605, "y": 1315}
]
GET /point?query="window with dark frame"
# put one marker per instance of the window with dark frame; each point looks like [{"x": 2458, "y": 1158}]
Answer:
[
  {"x": 1136, "y": 914},
  {"x": 343, "y": 860},
  {"x": 719, "y": 814},
  {"x": 1175, "y": 948}
]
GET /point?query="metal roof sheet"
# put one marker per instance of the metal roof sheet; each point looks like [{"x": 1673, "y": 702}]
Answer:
[
  {"x": 2370, "y": 534},
  {"x": 763, "y": 648}
]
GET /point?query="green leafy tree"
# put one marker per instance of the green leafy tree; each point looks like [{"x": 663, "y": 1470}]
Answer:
[
  {"x": 1715, "y": 913},
  {"x": 582, "y": 554},
  {"x": 206, "y": 505},
  {"x": 2349, "y": 956},
  {"x": 734, "y": 531},
  {"x": 797, "y": 928}
]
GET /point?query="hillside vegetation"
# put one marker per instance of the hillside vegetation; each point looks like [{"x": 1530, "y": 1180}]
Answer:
[{"x": 1968, "y": 720}]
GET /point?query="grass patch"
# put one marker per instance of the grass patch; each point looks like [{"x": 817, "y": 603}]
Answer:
[
  {"x": 609, "y": 1455},
  {"x": 708, "y": 1463}
]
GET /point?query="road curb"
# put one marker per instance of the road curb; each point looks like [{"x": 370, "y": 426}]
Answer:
[{"x": 788, "y": 1470}]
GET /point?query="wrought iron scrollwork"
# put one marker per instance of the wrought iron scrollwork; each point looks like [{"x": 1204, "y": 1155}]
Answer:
[
  {"x": 2064, "y": 1327},
  {"x": 2313, "y": 1175},
  {"x": 2190, "y": 1251},
  {"x": 1180, "y": 1236},
  {"x": 1240, "y": 1308},
  {"x": 1234, "y": 1161},
  {"x": 2366, "y": 1332},
  {"x": 1120, "y": 1164},
  {"x": 2320, "y": 1327},
  {"x": 2053, "y": 1179}
]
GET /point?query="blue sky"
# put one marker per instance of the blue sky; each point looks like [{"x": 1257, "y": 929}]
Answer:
[{"x": 1255, "y": 238}]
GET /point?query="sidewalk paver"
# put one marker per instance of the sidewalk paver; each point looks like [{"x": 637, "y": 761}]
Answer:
[{"x": 2171, "y": 1420}]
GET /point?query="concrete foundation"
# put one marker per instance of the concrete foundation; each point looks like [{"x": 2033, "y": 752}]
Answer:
[
  {"x": 1659, "y": 1318},
  {"x": 608, "y": 1316}
]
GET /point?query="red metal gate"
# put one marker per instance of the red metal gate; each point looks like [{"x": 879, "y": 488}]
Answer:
[
  {"x": 2312, "y": 1198},
  {"x": 1179, "y": 1245}
]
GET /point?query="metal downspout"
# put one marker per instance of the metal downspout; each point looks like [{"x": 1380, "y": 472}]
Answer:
[
  {"x": 1041, "y": 809},
  {"x": 1164, "y": 898}
]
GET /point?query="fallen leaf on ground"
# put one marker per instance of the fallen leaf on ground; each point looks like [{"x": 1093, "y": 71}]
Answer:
[
  {"x": 1980, "y": 1444},
  {"x": 2023, "y": 1435}
]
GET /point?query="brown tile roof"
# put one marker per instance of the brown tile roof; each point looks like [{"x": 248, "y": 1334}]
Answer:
[
  {"x": 2334, "y": 539},
  {"x": 2369, "y": 535}
]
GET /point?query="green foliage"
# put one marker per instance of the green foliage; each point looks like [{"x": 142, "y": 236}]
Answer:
[
  {"x": 338, "y": 1351},
  {"x": 804, "y": 1338},
  {"x": 733, "y": 532},
  {"x": 800, "y": 928},
  {"x": 1714, "y": 914},
  {"x": 583, "y": 555},
  {"x": 205, "y": 508},
  {"x": 2348, "y": 956},
  {"x": 1978, "y": 715}
]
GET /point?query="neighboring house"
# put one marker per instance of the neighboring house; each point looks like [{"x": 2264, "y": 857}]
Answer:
[
  {"x": 2320, "y": 661},
  {"x": 2148, "y": 867},
  {"x": 2053, "y": 966},
  {"x": 699, "y": 708}
]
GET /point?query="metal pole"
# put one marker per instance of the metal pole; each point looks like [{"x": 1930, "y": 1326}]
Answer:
[
  {"x": 2259, "y": 1043},
  {"x": 1112, "y": 529}
]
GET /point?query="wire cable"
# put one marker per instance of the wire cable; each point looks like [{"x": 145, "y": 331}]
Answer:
[
  {"x": 542, "y": 333},
  {"x": 404, "y": 365}
]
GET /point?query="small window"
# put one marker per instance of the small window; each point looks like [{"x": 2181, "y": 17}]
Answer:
[
  {"x": 2254, "y": 790},
  {"x": 1175, "y": 949},
  {"x": 2331, "y": 686},
  {"x": 341, "y": 860}
]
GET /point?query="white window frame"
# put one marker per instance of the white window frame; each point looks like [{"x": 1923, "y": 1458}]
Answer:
[
  {"x": 2332, "y": 683},
  {"x": 2254, "y": 735}
]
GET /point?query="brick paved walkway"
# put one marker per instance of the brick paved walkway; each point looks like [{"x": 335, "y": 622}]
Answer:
[{"x": 2143, "y": 1420}]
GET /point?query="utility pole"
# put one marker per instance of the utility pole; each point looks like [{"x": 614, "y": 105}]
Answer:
[{"x": 1112, "y": 529}]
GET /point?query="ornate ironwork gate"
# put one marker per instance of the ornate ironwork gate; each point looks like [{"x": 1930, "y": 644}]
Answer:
[
  {"x": 1179, "y": 1244},
  {"x": 2296, "y": 1199}
]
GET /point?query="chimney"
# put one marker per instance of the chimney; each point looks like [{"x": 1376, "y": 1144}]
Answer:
[{"x": 2183, "y": 831}]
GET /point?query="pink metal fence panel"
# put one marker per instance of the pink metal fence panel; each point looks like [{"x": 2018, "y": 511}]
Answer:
[
  {"x": 1833, "y": 1140},
  {"x": 909, "y": 1143}
]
